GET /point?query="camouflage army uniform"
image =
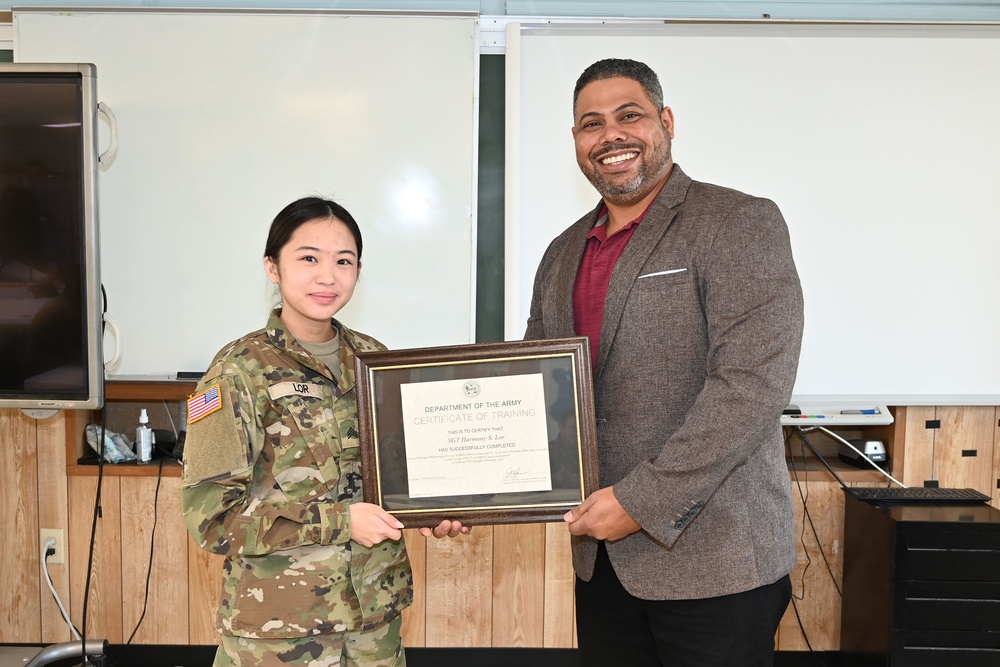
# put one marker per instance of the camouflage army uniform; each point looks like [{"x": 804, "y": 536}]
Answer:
[{"x": 268, "y": 477}]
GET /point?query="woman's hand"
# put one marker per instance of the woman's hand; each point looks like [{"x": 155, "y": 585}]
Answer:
[
  {"x": 446, "y": 529},
  {"x": 370, "y": 525}
]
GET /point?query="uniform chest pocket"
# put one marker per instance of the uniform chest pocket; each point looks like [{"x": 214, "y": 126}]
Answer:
[{"x": 307, "y": 449}]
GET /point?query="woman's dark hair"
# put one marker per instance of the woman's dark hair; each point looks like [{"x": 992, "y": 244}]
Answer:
[{"x": 300, "y": 212}]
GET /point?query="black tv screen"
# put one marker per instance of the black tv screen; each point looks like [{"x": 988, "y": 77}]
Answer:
[{"x": 50, "y": 303}]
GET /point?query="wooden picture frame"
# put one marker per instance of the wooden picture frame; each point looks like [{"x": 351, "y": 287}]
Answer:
[{"x": 485, "y": 433}]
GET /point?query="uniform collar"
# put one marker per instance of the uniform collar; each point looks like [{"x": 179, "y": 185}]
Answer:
[{"x": 281, "y": 339}]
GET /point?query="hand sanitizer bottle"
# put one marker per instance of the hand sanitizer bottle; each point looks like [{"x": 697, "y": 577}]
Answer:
[{"x": 143, "y": 440}]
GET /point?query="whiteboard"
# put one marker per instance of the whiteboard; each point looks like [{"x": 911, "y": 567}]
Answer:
[
  {"x": 878, "y": 142},
  {"x": 225, "y": 117}
]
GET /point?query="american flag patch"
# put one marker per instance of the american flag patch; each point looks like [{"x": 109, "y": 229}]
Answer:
[{"x": 204, "y": 404}]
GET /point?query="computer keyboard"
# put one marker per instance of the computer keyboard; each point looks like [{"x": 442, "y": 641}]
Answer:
[{"x": 917, "y": 494}]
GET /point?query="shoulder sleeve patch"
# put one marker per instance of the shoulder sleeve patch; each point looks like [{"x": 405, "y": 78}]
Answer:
[
  {"x": 217, "y": 440},
  {"x": 203, "y": 404}
]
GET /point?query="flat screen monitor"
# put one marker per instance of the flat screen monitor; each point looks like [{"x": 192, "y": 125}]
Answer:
[{"x": 51, "y": 350}]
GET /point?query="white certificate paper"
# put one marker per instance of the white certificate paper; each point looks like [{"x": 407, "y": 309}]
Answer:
[{"x": 483, "y": 435}]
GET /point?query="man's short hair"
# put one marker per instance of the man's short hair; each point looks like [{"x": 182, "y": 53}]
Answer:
[{"x": 612, "y": 68}]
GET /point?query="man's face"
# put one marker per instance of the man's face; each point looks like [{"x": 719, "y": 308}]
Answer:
[{"x": 622, "y": 139}]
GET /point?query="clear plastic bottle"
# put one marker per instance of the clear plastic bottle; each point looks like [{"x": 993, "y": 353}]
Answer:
[{"x": 143, "y": 440}]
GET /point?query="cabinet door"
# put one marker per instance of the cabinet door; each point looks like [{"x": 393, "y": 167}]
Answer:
[{"x": 951, "y": 445}]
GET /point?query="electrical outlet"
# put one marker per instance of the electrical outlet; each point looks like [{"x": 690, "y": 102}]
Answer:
[{"x": 60, "y": 547}]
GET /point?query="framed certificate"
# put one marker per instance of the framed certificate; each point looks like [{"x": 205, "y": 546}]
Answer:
[{"x": 485, "y": 433}]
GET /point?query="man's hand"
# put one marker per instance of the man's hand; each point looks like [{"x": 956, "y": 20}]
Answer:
[
  {"x": 370, "y": 525},
  {"x": 601, "y": 516},
  {"x": 446, "y": 529}
]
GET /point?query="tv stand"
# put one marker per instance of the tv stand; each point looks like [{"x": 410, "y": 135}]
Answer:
[{"x": 921, "y": 585}]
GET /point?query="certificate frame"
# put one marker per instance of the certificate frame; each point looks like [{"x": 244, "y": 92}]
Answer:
[{"x": 561, "y": 366}]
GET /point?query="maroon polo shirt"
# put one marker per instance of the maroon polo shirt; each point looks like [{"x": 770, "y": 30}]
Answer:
[{"x": 591, "y": 288}]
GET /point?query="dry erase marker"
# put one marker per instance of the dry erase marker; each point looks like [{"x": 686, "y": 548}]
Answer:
[{"x": 870, "y": 411}]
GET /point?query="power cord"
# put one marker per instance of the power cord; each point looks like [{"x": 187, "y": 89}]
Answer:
[
  {"x": 809, "y": 515},
  {"x": 804, "y": 496},
  {"x": 152, "y": 542},
  {"x": 173, "y": 426},
  {"x": 48, "y": 549},
  {"x": 795, "y": 608},
  {"x": 812, "y": 652},
  {"x": 865, "y": 458},
  {"x": 805, "y": 551},
  {"x": 98, "y": 513},
  {"x": 800, "y": 432},
  {"x": 124, "y": 657}
]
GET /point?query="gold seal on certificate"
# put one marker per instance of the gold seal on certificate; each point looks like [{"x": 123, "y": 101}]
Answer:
[{"x": 484, "y": 433}]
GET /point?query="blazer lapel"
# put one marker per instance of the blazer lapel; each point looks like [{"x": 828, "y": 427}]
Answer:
[
  {"x": 560, "y": 311},
  {"x": 642, "y": 244}
]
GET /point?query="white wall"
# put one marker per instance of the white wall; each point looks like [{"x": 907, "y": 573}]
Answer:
[
  {"x": 224, "y": 118},
  {"x": 879, "y": 144}
]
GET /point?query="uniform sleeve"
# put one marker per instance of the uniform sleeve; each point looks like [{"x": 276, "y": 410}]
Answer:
[{"x": 220, "y": 510}]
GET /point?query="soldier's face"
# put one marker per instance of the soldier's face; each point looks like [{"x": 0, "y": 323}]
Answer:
[{"x": 316, "y": 272}]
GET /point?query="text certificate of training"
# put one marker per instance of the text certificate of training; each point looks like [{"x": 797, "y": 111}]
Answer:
[{"x": 475, "y": 436}]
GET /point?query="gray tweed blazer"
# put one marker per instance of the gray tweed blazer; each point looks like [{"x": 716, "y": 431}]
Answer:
[{"x": 698, "y": 354}]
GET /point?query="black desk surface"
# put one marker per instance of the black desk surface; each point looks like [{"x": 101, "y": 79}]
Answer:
[{"x": 979, "y": 513}]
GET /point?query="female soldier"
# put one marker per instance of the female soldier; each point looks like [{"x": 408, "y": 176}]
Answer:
[{"x": 272, "y": 477}]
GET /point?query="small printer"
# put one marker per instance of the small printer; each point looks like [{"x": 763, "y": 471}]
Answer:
[{"x": 873, "y": 450}]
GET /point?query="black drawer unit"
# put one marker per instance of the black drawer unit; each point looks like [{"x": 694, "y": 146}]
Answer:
[{"x": 921, "y": 585}]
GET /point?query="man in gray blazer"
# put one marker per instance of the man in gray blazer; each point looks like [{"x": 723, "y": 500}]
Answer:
[{"x": 692, "y": 304}]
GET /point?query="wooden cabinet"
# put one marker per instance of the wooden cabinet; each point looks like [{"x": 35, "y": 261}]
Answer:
[
  {"x": 803, "y": 446},
  {"x": 952, "y": 446},
  {"x": 812, "y": 619},
  {"x": 921, "y": 585},
  {"x": 139, "y": 531},
  {"x": 163, "y": 401},
  {"x": 499, "y": 586}
]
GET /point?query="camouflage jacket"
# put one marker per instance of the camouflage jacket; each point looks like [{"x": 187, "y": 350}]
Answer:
[{"x": 271, "y": 463}]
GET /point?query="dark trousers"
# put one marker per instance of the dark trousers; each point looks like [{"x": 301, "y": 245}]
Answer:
[{"x": 616, "y": 628}]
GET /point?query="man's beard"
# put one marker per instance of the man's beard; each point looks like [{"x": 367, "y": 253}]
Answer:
[{"x": 624, "y": 192}]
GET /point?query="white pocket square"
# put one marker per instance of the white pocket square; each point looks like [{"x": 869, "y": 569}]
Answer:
[{"x": 663, "y": 273}]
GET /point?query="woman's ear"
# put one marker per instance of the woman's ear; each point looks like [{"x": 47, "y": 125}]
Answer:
[{"x": 271, "y": 269}]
